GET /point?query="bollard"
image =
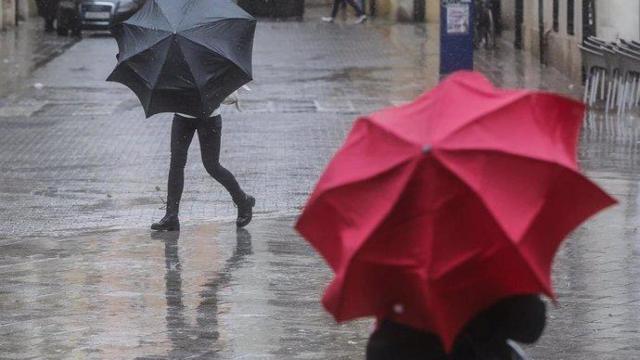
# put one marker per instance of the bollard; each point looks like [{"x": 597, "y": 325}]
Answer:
[{"x": 456, "y": 35}]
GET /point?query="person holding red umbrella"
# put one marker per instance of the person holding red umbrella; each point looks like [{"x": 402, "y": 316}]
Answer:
[
  {"x": 489, "y": 335},
  {"x": 442, "y": 217}
]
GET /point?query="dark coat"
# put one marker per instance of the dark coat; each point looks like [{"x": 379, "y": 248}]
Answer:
[
  {"x": 519, "y": 318},
  {"x": 47, "y": 8}
]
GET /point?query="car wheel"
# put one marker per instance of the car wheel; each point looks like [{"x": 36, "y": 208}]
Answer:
[{"x": 62, "y": 31}]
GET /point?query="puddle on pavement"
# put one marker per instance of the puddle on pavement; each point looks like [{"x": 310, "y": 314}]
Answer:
[{"x": 208, "y": 290}]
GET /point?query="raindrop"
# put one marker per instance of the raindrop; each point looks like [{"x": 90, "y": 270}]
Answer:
[
  {"x": 38, "y": 86},
  {"x": 398, "y": 308}
]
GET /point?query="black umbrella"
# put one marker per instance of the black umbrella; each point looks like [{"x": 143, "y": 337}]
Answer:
[{"x": 184, "y": 56}]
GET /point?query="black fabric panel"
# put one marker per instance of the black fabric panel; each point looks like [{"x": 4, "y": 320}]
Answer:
[
  {"x": 151, "y": 16},
  {"x": 125, "y": 75},
  {"x": 232, "y": 39}
]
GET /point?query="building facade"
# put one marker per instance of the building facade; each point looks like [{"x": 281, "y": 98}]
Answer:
[
  {"x": 558, "y": 26},
  {"x": 13, "y": 11},
  {"x": 8, "y": 13}
]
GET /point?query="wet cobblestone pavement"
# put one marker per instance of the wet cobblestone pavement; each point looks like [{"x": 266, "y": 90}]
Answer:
[
  {"x": 24, "y": 50},
  {"x": 83, "y": 175}
]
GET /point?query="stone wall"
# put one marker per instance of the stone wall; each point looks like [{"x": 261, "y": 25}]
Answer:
[
  {"x": 27, "y": 8},
  {"x": 8, "y": 13},
  {"x": 562, "y": 47},
  {"x": 433, "y": 11},
  {"x": 617, "y": 19}
]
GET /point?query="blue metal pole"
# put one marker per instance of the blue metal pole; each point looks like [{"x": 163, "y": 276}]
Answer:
[{"x": 456, "y": 35}]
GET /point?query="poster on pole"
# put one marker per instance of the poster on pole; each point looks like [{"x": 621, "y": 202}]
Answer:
[{"x": 458, "y": 19}]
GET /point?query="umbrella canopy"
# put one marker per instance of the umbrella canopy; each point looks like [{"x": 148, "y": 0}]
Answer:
[
  {"x": 433, "y": 211},
  {"x": 184, "y": 56}
]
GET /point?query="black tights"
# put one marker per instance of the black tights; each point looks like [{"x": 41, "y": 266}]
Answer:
[{"x": 209, "y": 135}]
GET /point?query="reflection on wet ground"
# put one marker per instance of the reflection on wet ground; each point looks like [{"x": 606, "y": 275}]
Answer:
[
  {"x": 206, "y": 292},
  {"x": 212, "y": 292}
]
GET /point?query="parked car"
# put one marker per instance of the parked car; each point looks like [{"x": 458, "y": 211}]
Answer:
[
  {"x": 78, "y": 15},
  {"x": 274, "y": 8}
]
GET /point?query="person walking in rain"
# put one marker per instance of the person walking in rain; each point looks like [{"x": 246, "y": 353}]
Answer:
[
  {"x": 177, "y": 59},
  {"x": 361, "y": 17},
  {"x": 209, "y": 134}
]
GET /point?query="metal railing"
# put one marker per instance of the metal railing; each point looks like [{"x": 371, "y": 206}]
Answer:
[{"x": 612, "y": 73}]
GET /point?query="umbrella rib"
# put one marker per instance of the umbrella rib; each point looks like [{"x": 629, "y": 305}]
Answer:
[
  {"x": 216, "y": 50},
  {"x": 144, "y": 27},
  {"x": 164, "y": 16},
  {"x": 484, "y": 114},
  {"x": 137, "y": 74},
  {"x": 400, "y": 162},
  {"x": 185, "y": 8},
  {"x": 486, "y": 206},
  {"x": 147, "y": 48},
  {"x": 472, "y": 121},
  {"x": 506, "y": 153},
  {"x": 186, "y": 60},
  {"x": 217, "y": 19},
  {"x": 155, "y": 83},
  {"x": 374, "y": 228},
  {"x": 160, "y": 11}
]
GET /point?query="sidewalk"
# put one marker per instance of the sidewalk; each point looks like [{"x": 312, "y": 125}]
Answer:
[
  {"x": 23, "y": 50},
  {"x": 83, "y": 174},
  {"x": 80, "y": 147}
]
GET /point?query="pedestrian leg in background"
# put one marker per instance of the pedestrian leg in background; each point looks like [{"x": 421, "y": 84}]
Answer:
[
  {"x": 334, "y": 11},
  {"x": 336, "y": 6}
]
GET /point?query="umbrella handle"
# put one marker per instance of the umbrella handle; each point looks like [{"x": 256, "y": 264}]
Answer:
[{"x": 517, "y": 350}]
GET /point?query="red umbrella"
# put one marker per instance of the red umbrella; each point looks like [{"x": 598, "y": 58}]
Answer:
[{"x": 433, "y": 211}]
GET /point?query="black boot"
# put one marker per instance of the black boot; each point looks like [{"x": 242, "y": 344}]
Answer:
[
  {"x": 169, "y": 222},
  {"x": 245, "y": 211}
]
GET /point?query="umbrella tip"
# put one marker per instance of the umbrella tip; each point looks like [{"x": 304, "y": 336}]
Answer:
[{"x": 426, "y": 149}]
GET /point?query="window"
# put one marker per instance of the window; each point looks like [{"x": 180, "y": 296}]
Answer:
[
  {"x": 571, "y": 30},
  {"x": 556, "y": 15}
]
